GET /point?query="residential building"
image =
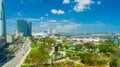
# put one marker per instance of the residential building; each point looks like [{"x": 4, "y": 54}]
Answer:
[
  {"x": 52, "y": 31},
  {"x": 10, "y": 38},
  {"x": 40, "y": 34}
]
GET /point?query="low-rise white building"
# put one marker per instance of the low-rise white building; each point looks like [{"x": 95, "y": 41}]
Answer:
[
  {"x": 10, "y": 38},
  {"x": 84, "y": 40},
  {"x": 40, "y": 34}
]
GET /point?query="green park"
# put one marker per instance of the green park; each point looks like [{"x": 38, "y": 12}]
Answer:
[{"x": 104, "y": 54}]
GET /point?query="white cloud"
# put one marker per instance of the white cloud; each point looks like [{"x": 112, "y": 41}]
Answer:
[
  {"x": 58, "y": 25},
  {"x": 98, "y": 24},
  {"x": 14, "y": 20},
  {"x": 98, "y": 2},
  {"x": 32, "y": 19},
  {"x": 61, "y": 12},
  {"x": 54, "y": 11},
  {"x": 44, "y": 24},
  {"x": 65, "y": 20},
  {"x": 52, "y": 21},
  {"x": 19, "y": 14},
  {"x": 66, "y": 1},
  {"x": 41, "y": 18},
  {"x": 82, "y": 5},
  {"x": 70, "y": 26}
]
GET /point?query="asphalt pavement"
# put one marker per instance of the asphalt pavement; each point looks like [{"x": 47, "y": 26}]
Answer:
[{"x": 20, "y": 56}]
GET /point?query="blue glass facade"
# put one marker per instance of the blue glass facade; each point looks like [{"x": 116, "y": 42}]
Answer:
[
  {"x": 2, "y": 19},
  {"x": 24, "y": 27}
]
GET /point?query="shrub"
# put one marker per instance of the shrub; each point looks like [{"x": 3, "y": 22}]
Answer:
[{"x": 101, "y": 62}]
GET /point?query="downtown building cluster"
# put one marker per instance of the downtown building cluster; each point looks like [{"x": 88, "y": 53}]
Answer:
[{"x": 24, "y": 28}]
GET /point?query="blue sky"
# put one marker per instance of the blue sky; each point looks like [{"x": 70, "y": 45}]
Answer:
[{"x": 65, "y": 15}]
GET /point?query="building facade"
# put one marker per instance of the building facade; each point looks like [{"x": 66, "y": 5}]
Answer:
[
  {"x": 24, "y": 28},
  {"x": 2, "y": 19},
  {"x": 52, "y": 31},
  {"x": 2, "y": 41},
  {"x": 10, "y": 38}
]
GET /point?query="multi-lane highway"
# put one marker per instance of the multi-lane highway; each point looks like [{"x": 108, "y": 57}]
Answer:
[{"x": 20, "y": 56}]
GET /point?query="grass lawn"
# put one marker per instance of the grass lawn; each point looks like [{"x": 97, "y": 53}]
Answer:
[
  {"x": 24, "y": 66},
  {"x": 61, "y": 64},
  {"x": 35, "y": 45}
]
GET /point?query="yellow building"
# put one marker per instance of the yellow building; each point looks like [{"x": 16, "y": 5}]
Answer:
[{"x": 16, "y": 34}]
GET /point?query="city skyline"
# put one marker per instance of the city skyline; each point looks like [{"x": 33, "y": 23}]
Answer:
[
  {"x": 65, "y": 15},
  {"x": 59, "y": 33}
]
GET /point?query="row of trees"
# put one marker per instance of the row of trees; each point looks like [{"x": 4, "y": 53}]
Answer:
[
  {"x": 38, "y": 57},
  {"x": 115, "y": 62},
  {"x": 46, "y": 40},
  {"x": 106, "y": 49},
  {"x": 41, "y": 55}
]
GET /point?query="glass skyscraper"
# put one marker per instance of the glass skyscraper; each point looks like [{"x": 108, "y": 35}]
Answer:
[
  {"x": 24, "y": 27},
  {"x": 2, "y": 19}
]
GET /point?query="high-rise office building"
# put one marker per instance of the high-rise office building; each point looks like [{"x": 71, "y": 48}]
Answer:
[
  {"x": 2, "y": 19},
  {"x": 24, "y": 27}
]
